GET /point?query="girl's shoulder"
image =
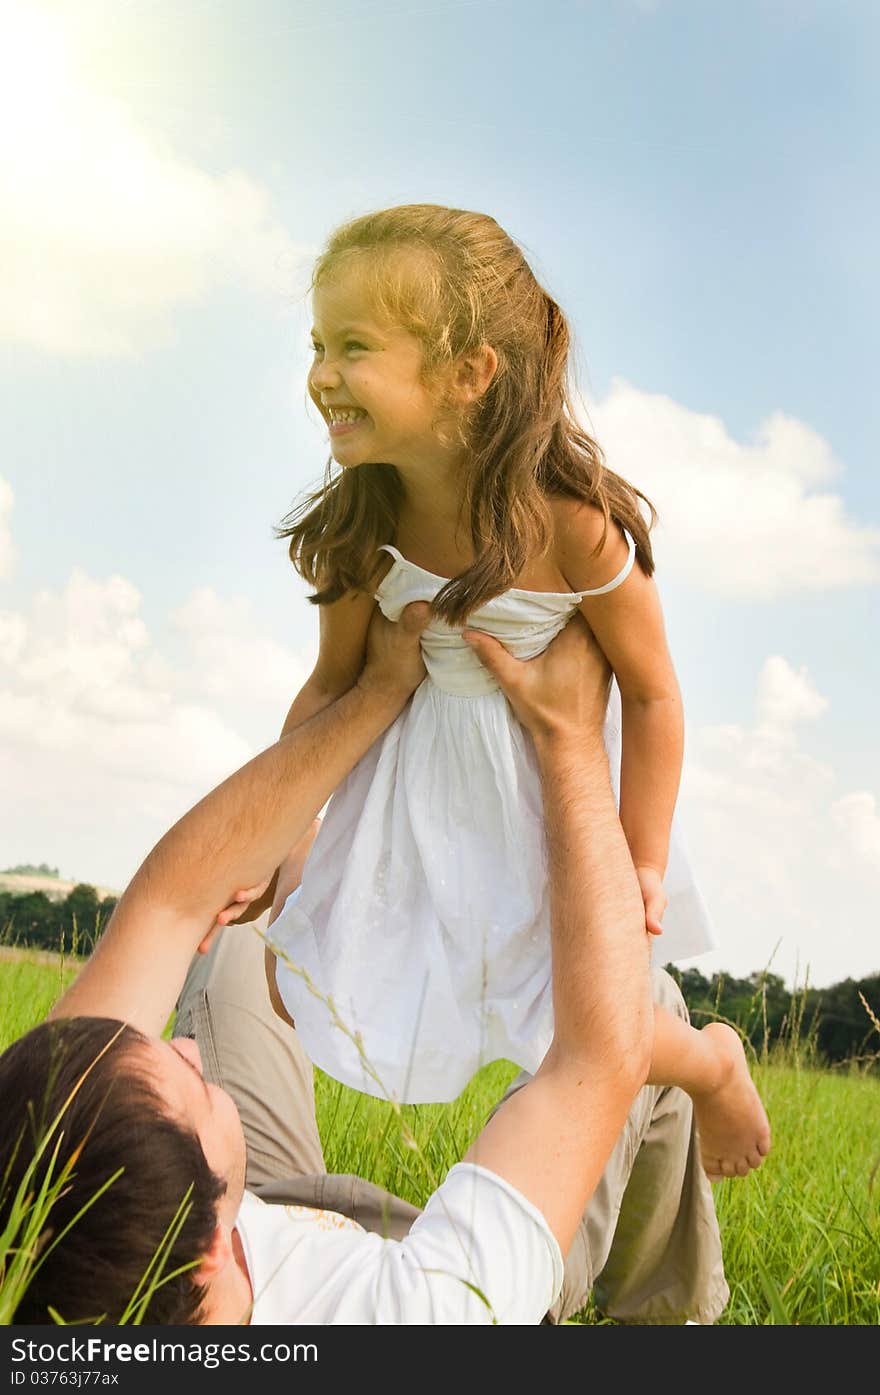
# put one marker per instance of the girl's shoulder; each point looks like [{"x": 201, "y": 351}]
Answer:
[
  {"x": 588, "y": 553},
  {"x": 379, "y": 569}
]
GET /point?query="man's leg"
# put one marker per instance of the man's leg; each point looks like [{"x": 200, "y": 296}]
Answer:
[
  {"x": 245, "y": 1048},
  {"x": 365, "y": 1202}
]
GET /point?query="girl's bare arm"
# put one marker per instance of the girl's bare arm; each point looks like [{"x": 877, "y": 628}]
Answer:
[
  {"x": 628, "y": 625},
  {"x": 343, "y": 643}
]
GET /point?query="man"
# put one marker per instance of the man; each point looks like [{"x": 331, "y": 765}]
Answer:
[{"x": 137, "y": 1119}]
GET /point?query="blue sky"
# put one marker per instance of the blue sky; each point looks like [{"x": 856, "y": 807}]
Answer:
[{"x": 694, "y": 182}]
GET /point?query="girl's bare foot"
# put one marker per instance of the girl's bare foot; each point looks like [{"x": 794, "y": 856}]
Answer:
[{"x": 733, "y": 1128}]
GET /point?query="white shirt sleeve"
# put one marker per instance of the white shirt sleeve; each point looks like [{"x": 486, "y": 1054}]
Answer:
[{"x": 480, "y": 1253}]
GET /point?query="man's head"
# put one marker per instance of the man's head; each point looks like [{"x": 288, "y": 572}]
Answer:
[{"x": 132, "y": 1115}]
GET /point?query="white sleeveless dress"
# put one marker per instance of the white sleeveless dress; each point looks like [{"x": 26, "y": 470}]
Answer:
[{"x": 423, "y": 913}]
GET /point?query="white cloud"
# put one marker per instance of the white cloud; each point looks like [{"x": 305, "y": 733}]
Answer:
[
  {"x": 104, "y": 233},
  {"x": 781, "y": 855},
  {"x": 786, "y": 697},
  {"x": 82, "y": 674},
  {"x": 857, "y": 815},
  {"x": 753, "y": 521},
  {"x": 105, "y": 740},
  {"x": 230, "y": 660},
  {"x": 7, "y": 548}
]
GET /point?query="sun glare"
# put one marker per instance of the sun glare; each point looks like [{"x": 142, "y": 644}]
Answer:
[
  {"x": 37, "y": 79},
  {"x": 72, "y": 166}
]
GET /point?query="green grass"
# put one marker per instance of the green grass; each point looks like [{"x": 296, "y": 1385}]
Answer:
[
  {"x": 364, "y": 1135},
  {"x": 27, "y": 991},
  {"x": 801, "y": 1236}
]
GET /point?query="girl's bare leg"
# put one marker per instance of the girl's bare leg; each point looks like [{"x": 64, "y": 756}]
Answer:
[{"x": 710, "y": 1065}]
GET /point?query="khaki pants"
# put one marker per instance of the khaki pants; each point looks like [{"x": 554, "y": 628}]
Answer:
[{"x": 648, "y": 1246}]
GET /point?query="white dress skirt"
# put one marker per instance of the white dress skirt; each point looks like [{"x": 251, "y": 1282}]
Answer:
[{"x": 417, "y": 947}]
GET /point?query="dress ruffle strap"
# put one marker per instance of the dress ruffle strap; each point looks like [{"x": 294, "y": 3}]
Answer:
[{"x": 621, "y": 575}]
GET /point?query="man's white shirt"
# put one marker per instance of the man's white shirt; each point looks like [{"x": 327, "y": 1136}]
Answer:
[{"x": 479, "y": 1253}]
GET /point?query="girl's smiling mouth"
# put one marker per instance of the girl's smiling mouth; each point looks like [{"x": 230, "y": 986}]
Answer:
[{"x": 342, "y": 420}]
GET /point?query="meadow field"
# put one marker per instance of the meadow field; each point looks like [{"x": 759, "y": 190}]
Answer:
[{"x": 801, "y": 1236}]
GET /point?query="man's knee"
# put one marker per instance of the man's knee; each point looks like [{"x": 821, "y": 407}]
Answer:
[{"x": 667, "y": 994}]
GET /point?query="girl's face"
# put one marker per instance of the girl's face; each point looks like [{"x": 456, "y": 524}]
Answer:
[{"x": 366, "y": 381}]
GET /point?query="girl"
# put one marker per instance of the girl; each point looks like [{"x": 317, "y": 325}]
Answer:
[{"x": 422, "y": 919}]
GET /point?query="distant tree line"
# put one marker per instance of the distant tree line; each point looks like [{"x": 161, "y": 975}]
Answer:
[
  {"x": 29, "y": 869},
  {"x": 33, "y": 919},
  {"x": 833, "y": 1021}
]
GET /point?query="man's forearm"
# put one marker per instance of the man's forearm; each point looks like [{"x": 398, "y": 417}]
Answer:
[
  {"x": 234, "y": 837},
  {"x": 599, "y": 948},
  {"x": 552, "y": 1139}
]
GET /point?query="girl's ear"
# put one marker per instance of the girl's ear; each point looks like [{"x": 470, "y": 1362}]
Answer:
[{"x": 473, "y": 373}]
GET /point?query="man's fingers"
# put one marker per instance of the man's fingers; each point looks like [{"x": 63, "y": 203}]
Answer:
[{"x": 490, "y": 652}]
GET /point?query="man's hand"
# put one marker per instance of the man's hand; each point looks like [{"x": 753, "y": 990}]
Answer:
[
  {"x": 394, "y": 666},
  {"x": 563, "y": 691}
]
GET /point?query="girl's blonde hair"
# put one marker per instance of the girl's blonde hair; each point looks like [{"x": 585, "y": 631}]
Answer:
[{"x": 457, "y": 281}]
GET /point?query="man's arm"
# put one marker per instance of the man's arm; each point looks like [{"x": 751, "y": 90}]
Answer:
[
  {"x": 552, "y": 1139},
  {"x": 235, "y": 837}
]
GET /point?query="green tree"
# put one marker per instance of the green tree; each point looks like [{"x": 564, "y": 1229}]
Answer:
[
  {"x": 82, "y": 917},
  {"x": 32, "y": 919}
]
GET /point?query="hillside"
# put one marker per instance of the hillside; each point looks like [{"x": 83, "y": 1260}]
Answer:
[{"x": 21, "y": 883}]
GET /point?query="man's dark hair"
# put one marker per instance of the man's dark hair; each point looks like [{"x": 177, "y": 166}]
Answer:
[{"x": 114, "y": 1121}]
